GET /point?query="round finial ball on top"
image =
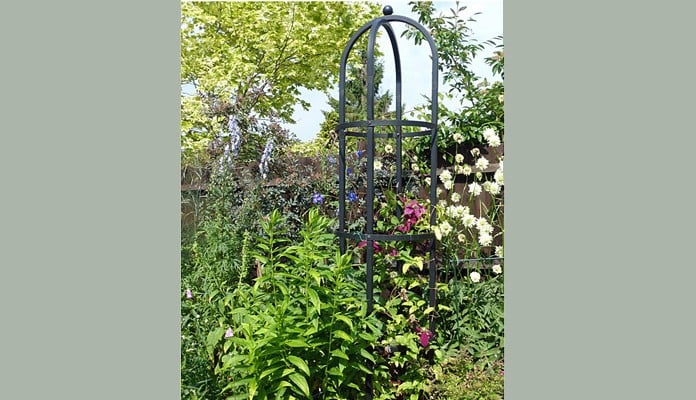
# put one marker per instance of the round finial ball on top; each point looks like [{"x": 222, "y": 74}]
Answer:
[{"x": 387, "y": 10}]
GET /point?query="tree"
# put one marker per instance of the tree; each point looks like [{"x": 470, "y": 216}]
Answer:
[
  {"x": 481, "y": 101},
  {"x": 249, "y": 60}
]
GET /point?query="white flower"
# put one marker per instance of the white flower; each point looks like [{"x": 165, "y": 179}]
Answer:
[
  {"x": 455, "y": 212},
  {"x": 488, "y": 132},
  {"x": 498, "y": 176},
  {"x": 485, "y": 239},
  {"x": 498, "y": 251},
  {"x": 466, "y": 169},
  {"x": 449, "y": 185},
  {"x": 388, "y": 149},
  {"x": 491, "y": 137},
  {"x": 475, "y": 188},
  {"x": 445, "y": 176},
  {"x": 459, "y": 158},
  {"x": 482, "y": 163},
  {"x": 438, "y": 191},
  {"x": 475, "y": 276},
  {"x": 483, "y": 226},
  {"x": 491, "y": 187},
  {"x": 378, "y": 164},
  {"x": 427, "y": 181},
  {"x": 497, "y": 269},
  {"x": 475, "y": 152},
  {"x": 494, "y": 141},
  {"x": 455, "y": 197},
  {"x": 458, "y": 138},
  {"x": 436, "y": 231},
  {"x": 461, "y": 237},
  {"x": 469, "y": 220},
  {"x": 501, "y": 98},
  {"x": 445, "y": 228},
  {"x": 414, "y": 167}
]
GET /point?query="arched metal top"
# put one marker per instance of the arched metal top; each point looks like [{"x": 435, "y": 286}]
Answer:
[{"x": 374, "y": 26}]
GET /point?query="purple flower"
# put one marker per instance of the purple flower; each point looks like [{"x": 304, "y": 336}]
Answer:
[
  {"x": 189, "y": 295},
  {"x": 425, "y": 336},
  {"x": 229, "y": 333},
  {"x": 317, "y": 198},
  {"x": 265, "y": 158},
  {"x": 352, "y": 196},
  {"x": 349, "y": 171},
  {"x": 359, "y": 153}
]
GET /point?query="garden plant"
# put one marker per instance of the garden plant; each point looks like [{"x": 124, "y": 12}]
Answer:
[{"x": 270, "y": 307}]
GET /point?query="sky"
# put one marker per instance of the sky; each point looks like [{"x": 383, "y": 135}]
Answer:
[{"x": 488, "y": 24}]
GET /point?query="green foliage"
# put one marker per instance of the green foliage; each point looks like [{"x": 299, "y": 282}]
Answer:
[
  {"x": 473, "y": 317},
  {"x": 460, "y": 378},
  {"x": 300, "y": 328},
  {"x": 250, "y": 59},
  {"x": 482, "y": 101}
]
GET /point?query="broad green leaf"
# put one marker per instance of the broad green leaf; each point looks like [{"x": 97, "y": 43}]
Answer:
[
  {"x": 342, "y": 335},
  {"x": 296, "y": 343},
  {"x": 299, "y": 363},
  {"x": 367, "y": 355},
  {"x": 340, "y": 353},
  {"x": 301, "y": 383}
]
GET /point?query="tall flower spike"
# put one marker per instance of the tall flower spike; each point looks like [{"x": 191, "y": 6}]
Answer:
[
  {"x": 265, "y": 158},
  {"x": 235, "y": 135}
]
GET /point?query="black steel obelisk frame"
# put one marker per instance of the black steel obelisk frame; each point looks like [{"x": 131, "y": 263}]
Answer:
[{"x": 366, "y": 130}]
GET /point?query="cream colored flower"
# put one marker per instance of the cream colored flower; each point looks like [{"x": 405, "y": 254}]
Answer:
[
  {"x": 499, "y": 251},
  {"x": 475, "y": 277},
  {"x": 485, "y": 239},
  {"x": 475, "y": 152},
  {"x": 414, "y": 167},
  {"x": 475, "y": 189},
  {"x": 388, "y": 149},
  {"x": 378, "y": 164},
  {"x": 491, "y": 187},
  {"x": 501, "y": 98},
  {"x": 459, "y": 158},
  {"x": 461, "y": 237},
  {"x": 427, "y": 181},
  {"x": 445, "y": 228},
  {"x": 437, "y": 232},
  {"x": 449, "y": 185},
  {"x": 458, "y": 138},
  {"x": 469, "y": 220},
  {"x": 481, "y": 163},
  {"x": 497, "y": 269},
  {"x": 445, "y": 176},
  {"x": 466, "y": 169},
  {"x": 455, "y": 197}
]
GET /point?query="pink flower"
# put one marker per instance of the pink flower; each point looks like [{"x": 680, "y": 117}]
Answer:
[
  {"x": 374, "y": 245},
  {"x": 229, "y": 333},
  {"x": 189, "y": 295},
  {"x": 425, "y": 336}
]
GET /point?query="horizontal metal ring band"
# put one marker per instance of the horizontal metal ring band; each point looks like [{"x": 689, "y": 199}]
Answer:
[
  {"x": 384, "y": 122},
  {"x": 390, "y": 135},
  {"x": 383, "y": 237}
]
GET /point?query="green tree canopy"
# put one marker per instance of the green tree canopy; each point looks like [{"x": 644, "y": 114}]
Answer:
[{"x": 254, "y": 57}]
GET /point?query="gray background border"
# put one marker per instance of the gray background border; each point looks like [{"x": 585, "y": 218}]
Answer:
[
  {"x": 598, "y": 287},
  {"x": 89, "y": 255}
]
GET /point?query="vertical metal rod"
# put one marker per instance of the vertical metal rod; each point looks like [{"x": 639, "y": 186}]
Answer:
[
  {"x": 370, "y": 175},
  {"x": 433, "y": 179},
  {"x": 342, "y": 153}
]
